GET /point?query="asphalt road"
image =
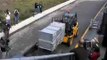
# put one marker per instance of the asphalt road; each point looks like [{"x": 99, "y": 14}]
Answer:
[{"x": 25, "y": 38}]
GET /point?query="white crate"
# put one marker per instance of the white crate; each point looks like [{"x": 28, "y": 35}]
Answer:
[
  {"x": 58, "y": 29},
  {"x": 51, "y": 36},
  {"x": 47, "y": 45},
  {"x": 59, "y": 38},
  {"x": 58, "y": 24},
  {"x": 47, "y": 34}
]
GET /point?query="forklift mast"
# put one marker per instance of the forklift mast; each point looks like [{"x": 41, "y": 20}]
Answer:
[{"x": 70, "y": 20}]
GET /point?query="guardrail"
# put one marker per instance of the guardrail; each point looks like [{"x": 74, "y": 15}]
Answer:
[
  {"x": 63, "y": 56},
  {"x": 36, "y": 17}
]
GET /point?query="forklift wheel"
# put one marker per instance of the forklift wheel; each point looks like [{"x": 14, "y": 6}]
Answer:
[{"x": 69, "y": 42}]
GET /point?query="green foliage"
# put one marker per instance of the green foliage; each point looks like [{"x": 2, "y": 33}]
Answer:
[{"x": 26, "y": 7}]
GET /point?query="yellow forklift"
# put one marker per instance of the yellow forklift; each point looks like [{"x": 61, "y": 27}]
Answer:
[{"x": 71, "y": 26}]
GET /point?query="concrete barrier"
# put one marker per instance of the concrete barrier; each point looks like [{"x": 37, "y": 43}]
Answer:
[{"x": 36, "y": 17}]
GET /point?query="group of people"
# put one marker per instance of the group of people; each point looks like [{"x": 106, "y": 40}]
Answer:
[
  {"x": 38, "y": 8},
  {"x": 6, "y": 25},
  {"x": 8, "y": 17}
]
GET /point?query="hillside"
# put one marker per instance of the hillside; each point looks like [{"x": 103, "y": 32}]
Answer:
[{"x": 26, "y": 7}]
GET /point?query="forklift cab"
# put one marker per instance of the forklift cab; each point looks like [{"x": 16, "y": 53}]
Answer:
[
  {"x": 70, "y": 22},
  {"x": 71, "y": 27}
]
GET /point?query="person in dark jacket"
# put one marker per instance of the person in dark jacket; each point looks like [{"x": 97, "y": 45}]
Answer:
[
  {"x": 38, "y": 7},
  {"x": 5, "y": 29},
  {"x": 41, "y": 7},
  {"x": 80, "y": 52},
  {"x": 4, "y": 47}
]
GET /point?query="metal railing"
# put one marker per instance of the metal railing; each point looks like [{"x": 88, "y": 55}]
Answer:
[{"x": 63, "y": 56}]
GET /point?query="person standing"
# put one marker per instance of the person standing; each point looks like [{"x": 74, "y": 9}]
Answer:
[
  {"x": 8, "y": 18},
  {"x": 38, "y": 8},
  {"x": 4, "y": 41},
  {"x": 16, "y": 16},
  {"x": 2, "y": 47},
  {"x": 5, "y": 29}
]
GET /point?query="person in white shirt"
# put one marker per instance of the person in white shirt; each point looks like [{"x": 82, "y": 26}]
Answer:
[{"x": 8, "y": 18}]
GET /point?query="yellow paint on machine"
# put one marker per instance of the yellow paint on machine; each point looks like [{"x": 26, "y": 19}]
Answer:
[
  {"x": 77, "y": 45},
  {"x": 65, "y": 39}
]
